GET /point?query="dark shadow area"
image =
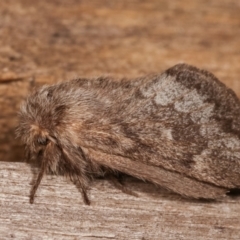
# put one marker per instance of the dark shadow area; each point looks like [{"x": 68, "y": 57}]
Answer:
[{"x": 235, "y": 192}]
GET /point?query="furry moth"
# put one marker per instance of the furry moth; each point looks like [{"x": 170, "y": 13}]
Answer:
[{"x": 179, "y": 129}]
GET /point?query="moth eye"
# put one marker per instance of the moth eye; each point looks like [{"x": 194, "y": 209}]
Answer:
[{"x": 43, "y": 141}]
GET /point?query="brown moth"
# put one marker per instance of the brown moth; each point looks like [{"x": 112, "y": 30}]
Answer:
[{"x": 179, "y": 129}]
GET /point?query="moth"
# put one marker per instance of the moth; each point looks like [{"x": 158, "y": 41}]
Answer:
[{"x": 179, "y": 129}]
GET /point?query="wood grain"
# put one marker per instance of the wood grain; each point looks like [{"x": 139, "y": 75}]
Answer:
[{"x": 59, "y": 212}]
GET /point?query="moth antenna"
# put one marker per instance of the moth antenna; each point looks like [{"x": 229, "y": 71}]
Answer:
[{"x": 38, "y": 181}]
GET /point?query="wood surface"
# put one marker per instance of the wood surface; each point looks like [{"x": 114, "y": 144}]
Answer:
[
  {"x": 49, "y": 41},
  {"x": 59, "y": 211}
]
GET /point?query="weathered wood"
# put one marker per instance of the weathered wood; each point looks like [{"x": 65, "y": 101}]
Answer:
[{"x": 59, "y": 212}]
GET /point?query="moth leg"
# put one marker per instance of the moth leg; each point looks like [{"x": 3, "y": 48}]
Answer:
[
  {"x": 85, "y": 196},
  {"x": 38, "y": 181},
  {"x": 117, "y": 181},
  {"x": 82, "y": 187},
  {"x": 28, "y": 156}
]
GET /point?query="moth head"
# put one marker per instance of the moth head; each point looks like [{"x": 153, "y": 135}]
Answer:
[
  {"x": 43, "y": 142},
  {"x": 35, "y": 139},
  {"x": 38, "y": 116},
  {"x": 39, "y": 138},
  {"x": 32, "y": 130}
]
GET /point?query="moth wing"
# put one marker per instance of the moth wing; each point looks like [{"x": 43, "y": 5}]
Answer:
[
  {"x": 191, "y": 126},
  {"x": 170, "y": 180},
  {"x": 180, "y": 129}
]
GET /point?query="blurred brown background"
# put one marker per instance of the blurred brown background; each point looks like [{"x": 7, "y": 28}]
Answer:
[{"x": 49, "y": 41}]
